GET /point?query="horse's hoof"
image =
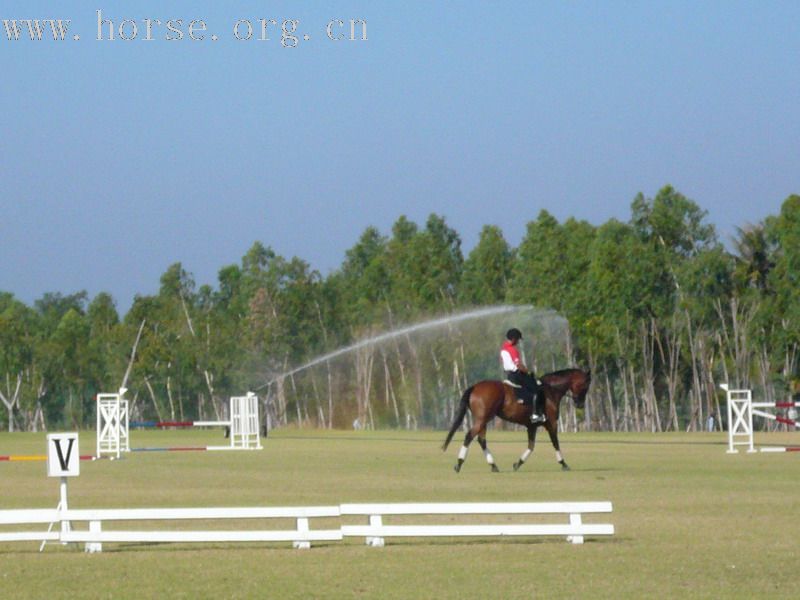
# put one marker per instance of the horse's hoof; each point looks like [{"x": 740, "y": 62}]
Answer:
[
  {"x": 565, "y": 467},
  {"x": 517, "y": 465},
  {"x": 457, "y": 468},
  {"x": 495, "y": 469}
]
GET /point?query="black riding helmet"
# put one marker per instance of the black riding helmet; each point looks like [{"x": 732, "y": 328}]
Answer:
[{"x": 513, "y": 334}]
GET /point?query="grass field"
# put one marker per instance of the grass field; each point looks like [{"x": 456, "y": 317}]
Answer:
[{"x": 691, "y": 521}]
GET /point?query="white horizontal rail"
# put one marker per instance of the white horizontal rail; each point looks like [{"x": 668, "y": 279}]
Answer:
[
  {"x": 29, "y": 515},
  {"x": 473, "y": 530},
  {"x": 30, "y": 536},
  {"x": 177, "y": 514},
  {"x": 202, "y": 536},
  {"x": 50, "y": 515},
  {"x": 476, "y": 508}
]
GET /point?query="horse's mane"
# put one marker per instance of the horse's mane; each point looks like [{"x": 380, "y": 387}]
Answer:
[{"x": 563, "y": 372}]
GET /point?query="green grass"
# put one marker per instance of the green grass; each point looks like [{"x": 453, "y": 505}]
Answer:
[{"x": 691, "y": 520}]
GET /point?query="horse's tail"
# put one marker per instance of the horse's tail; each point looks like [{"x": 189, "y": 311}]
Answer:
[{"x": 460, "y": 414}]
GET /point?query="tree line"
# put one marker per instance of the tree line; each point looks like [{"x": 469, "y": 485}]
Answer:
[{"x": 657, "y": 307}]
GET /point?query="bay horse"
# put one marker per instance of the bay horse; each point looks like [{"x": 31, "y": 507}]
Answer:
[{"x": 489, "y": 399}]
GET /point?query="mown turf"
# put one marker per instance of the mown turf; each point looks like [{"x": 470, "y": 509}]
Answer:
[{"x": 691, "y": 520}]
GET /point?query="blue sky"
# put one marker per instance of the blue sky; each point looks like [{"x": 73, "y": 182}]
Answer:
[{"x": 118, "y": 158}]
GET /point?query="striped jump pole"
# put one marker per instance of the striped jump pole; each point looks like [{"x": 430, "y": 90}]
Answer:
[
  {"x": 172, "y": 449},
  {"x": 34, "y": 457},
  {"x": 741, "y": 410},
  {"x": 177, "y": 424}
]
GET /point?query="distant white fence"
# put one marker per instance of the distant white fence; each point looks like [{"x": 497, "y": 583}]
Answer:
[{"x": 301, "y": 535}]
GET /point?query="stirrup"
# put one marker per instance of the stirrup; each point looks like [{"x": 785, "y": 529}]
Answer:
[{"x": 536, "y": 418}]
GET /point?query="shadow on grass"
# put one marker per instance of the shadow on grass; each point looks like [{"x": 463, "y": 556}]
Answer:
[{"x": 144, "y": 547}]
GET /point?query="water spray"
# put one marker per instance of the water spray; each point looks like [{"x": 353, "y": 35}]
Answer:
[{"x": 449, "y": 320}]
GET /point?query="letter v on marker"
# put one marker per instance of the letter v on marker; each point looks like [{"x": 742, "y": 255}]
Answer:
[{"x": 64, "y": 461}]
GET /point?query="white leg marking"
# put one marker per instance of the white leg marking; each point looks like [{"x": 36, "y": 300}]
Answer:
[
  {"x": 525, "y": 455},
  {"x": 559, "y": 458},
  {"x": 462, "y": 454},
  {"x": 489, "y": 457}
]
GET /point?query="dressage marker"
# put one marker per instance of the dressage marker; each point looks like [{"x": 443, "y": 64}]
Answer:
[
  {"x": 741, "y": 410},
  {"x": 113, "y": 426}
]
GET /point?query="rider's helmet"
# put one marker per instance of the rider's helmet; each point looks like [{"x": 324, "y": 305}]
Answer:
[{"x": 513, "y": 334}]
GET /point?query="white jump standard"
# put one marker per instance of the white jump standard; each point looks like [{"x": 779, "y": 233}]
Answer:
[
  {"x": 112, "y": 424},
  {"x": 741, "y": 409}
]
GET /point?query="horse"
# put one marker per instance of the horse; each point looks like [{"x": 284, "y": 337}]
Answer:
[{"x": 489, "y": 399}]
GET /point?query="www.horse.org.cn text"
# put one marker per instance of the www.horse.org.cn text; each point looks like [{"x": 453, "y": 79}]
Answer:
[{"x": 285, "y": 32}]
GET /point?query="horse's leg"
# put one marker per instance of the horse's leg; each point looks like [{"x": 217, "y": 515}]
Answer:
[
  {"x": 462, "y": 453},
  {"x": 531, "y": 443},
  {"x": 489, "y": 457},
  {"x": 552, "y": 429}
]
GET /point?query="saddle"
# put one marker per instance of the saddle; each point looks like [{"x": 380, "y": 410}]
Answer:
[{"x": 523, "y": 395}]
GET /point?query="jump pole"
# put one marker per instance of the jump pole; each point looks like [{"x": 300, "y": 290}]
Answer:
[{"x": 36, "y": 457}]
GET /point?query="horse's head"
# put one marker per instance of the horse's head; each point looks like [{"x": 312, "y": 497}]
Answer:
[
  {"x": 574, "y": 381},
  {"x": 580, "y": 387}
]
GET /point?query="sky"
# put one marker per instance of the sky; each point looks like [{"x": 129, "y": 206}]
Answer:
[{"x": 121, "y": 157}]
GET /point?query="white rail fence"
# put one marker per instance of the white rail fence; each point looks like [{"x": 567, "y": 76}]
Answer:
[
  {"x": 575, "y": 530},
  {"x": 301, "y": 535}
]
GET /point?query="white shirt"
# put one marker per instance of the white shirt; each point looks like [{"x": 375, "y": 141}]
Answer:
[{"x": 508, "y": 363}]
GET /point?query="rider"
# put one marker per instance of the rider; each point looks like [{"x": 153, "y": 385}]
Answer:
[{"x": 517, "y": 373}]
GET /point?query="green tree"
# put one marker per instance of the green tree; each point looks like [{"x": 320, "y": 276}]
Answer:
[
  {"x": 17, "y": 341},
  {"x": 424, "y": 267},
  {"x": 363, "y": 279},
  {"x": 784, "y": 279},
  {"x": 487, "y": 269}
]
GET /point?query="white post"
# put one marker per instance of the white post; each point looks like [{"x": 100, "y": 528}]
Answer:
[
  {"x": 575, "y": 519},
  {"x": 302, "y": 527},
  {"x": 375, "y": 542},
  {"x": 63, "y": 506},
  {"x": 124, "y": 426},
  {"x": 92, "y": 547}
]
